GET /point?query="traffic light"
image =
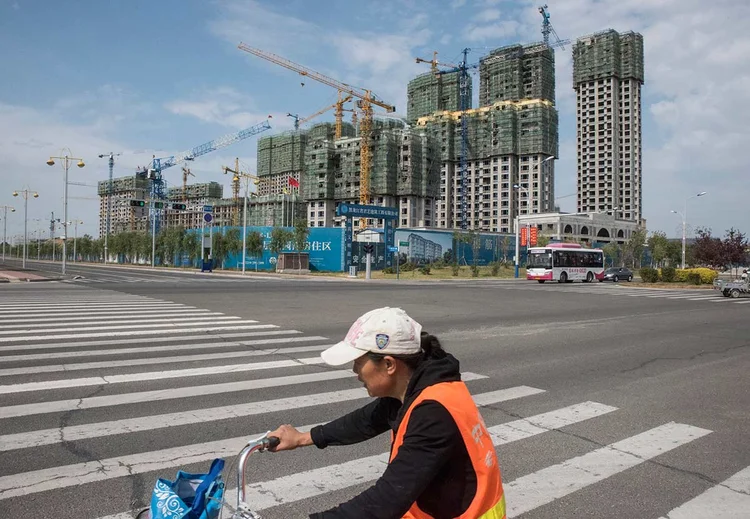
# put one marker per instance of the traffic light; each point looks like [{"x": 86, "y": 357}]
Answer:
[
  {"x": 137, "y": 203},
  {"x": 158, "y": 205},
  {"x": 179, "y": 207},
  {"x": 369, "y": 248}
]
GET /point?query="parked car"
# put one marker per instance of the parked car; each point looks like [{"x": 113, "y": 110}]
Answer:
[{"x": 617, "y": 273}]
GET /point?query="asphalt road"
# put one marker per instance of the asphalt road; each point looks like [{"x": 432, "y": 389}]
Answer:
[{"x": 620, "y": 401}]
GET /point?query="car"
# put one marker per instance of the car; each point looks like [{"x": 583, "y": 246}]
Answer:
[{"x": 617, "y": 273}]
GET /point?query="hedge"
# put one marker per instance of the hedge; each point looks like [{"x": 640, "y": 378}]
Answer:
[{"x": 707, "y": 276}]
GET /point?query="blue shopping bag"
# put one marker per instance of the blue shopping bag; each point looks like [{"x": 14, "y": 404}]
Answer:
[{"x": 189, "y": 496}]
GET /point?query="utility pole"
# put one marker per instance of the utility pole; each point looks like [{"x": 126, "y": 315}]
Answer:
[
  {"x": 111, "y": 162},
  {"x": 5, "y": 225}
]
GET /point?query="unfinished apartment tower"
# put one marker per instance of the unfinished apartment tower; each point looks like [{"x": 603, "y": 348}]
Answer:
[
  {"x": 433, "y": 92},
  {"x": 124, "y": 217},
  {"x": 607, "y": 78},
  {"x": 195, "y": 197},
  {"x": 510, "y": 137}
]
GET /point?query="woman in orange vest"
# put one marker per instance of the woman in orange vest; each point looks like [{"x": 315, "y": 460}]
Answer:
[{"x": 443, "y": 463}]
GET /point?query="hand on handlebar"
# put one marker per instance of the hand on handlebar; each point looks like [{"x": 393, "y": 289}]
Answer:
[{"x": 290, "y": 438}]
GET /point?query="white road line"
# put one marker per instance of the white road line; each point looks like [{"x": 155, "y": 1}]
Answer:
[
  {"x": 149, "y": 340},
  {"x": 54, "y": 478},
  {"x": 174, "y": 393},
  {"x": 157, "y": 349},
  {"x": 746, "y": 301},
  {"x": 56, "y": 368},
  {"x": 114, "y": 304},
  {"x": 151, "y": 322},
  {"x": 129, "y": 333},
  {"x": 153, "y": 375},
  {"x": 730, "y": 499},
  {"x": 169, "y": 323},
  {"x": 81, "y": 309},
  {"x": 720, "y": 300},
  {"x": 118, "y": 316},
  {"x": 557, "y": 481},
  {"x": 38, "y": 438},
  {"x": 315, "y": 482}
]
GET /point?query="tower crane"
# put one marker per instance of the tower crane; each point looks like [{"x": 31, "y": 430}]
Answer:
[
  {"x": 155, "y": 168},
  {"x": 185, "y": 173},
  {"x": 236, "y": 187},
  {"x": 465, "y": 104},
  {"x": 338, "y": 105},
  {"x": 547, "y": 29},
  {"x": 366, "y": 101}
]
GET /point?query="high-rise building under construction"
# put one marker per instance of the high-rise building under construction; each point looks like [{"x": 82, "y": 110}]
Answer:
[
  {"x": 607, "y": 78},
  {"x": 511, "y": 139}
]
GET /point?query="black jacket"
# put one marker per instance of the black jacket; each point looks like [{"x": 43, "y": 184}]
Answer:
[{"x": 432, "y": 467}]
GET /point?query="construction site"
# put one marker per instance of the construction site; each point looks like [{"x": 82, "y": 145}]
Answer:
[{"x": 447, "y": 165}]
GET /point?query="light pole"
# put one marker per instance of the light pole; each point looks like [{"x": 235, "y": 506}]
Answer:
[
  {"x": 236, "y": 178},
  {"x": 5, "y": 224},
  {"x": 683, "y": 214},
  {"x": 518, "y": 227},
  {"x": 25, "y": 193},
  {"x": 75, "y": 237},
  {"x": 66, "y": 160},
  {"x": 111, "y": 161}
]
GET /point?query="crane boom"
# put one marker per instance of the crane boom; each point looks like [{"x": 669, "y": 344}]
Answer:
[{"x": 317, "y": 76}]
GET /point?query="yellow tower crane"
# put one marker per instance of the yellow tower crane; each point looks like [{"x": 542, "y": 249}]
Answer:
[
  {"x": 185, "y": 173},
  {"x": 236, "y": 188},
  {"x": 366, "y": 101}
]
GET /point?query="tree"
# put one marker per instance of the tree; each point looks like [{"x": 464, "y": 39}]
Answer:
[
  {"x": 674, "y": 253},
  {"x": 191, "y": 245},
  {"x": 506, "y": 248},
  {"x": 254, "y": 241},
  {"x": 280, "y": 238},
  {"x": 301, "y": 233},
  {"x": 219, "y": 249},
  {"x": 633, "y": 249},
  {"x": 657, "y": 244},
  {"x": 542, "y": 240},
  {"x": 612, "y": 252},
  {"x": 734, "y": 248},
  {"x": 233, "y": 242},
  {"x": 707, "y": 249}
]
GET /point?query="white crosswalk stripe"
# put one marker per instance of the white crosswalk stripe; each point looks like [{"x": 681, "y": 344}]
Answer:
[
  {"x": 625, "y": 290},
  {"x": 91, "y": 380}
]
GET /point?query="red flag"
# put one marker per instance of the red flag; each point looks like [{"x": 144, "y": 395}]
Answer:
[{"x": 293, "y": 182}]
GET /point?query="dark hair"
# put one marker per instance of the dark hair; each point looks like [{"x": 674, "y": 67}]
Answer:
[{"x": 431, "y": 349}]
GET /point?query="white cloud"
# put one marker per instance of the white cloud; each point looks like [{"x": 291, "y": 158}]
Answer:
[
  {"x": 488, "y": 15},
  {"x": 227, "y": 107},
  {"x": 494, "y": 32}
]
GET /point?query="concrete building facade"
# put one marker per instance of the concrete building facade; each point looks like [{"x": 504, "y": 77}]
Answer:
[{"x": 607, "y": 77}]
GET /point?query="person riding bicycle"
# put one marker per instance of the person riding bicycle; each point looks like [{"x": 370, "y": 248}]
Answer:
[{"x": 443, "y": 463}]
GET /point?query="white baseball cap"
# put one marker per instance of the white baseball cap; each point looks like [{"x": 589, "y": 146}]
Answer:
[{"x": 389, "y": 331}]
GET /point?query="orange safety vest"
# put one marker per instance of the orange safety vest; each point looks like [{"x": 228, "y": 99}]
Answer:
[{"x": 489, "y": 501}]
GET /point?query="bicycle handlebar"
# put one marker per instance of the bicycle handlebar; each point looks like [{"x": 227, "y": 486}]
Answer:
[{"x": 263, "y": 443}]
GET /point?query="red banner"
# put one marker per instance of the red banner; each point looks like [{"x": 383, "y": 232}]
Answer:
[
  {"x": 534, "y": 234},
  {"x": 523, "y": 236}
]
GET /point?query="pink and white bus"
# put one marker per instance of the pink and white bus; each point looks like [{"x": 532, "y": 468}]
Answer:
[{"x": 565, "y": 262}]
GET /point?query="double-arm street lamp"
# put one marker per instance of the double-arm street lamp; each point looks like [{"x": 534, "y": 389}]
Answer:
[
  {"x": 67, "y": 160},
  {"x": 683, "y": 214},
  {"x": 25, "y": 193}
]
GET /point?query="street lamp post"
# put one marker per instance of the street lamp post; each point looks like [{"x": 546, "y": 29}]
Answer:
[
  {"x": 111, "y": 161},
  {"x": 25, "y": 193},
  {"x": 66, "y": 161},
  {"x": 237, "y": 176},
  {"x": 683, "y": 214},
  {"x": 518, "y": 228},
  {"x": 5, "y": 224}
]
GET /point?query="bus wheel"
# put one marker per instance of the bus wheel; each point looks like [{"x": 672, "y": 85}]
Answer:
[
  {"x": 590, "y": 277},
  {"x": 540, "y": 280},
  {"x": 563, "y": 277}
]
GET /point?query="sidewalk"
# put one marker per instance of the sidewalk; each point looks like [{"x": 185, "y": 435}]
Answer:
[{"x": 16, "y": 276}]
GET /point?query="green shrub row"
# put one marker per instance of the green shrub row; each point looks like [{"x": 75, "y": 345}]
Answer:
[{"x": 697, "y": 276}]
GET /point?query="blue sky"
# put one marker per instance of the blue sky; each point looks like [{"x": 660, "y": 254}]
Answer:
[{"x": 160, "y": 77}]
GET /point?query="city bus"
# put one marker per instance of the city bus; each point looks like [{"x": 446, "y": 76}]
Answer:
[{"x": 565, "y": 262}]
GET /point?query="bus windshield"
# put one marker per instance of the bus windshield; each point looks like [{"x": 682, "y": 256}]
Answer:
[{"x": 540, "y": 260}]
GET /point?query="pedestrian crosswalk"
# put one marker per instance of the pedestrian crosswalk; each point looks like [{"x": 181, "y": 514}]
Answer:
[
  {"x": 103, "y": 392},
  {"x": 190, "y": 278},
  {"x": 626, "y": 290}
]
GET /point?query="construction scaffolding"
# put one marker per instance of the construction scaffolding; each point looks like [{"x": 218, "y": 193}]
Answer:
[
  {"x": 124, "y": 184},
  {"x": 281, "y": 153},
  {"x": 608, "y": 54},
  {"x": 429, "y": 93},
  {"x": 517, "y": 72},
  {"x": 208, "y": 190},
  {"x": 505, "y": 128},
  {"x": 274, "y": 210}
]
